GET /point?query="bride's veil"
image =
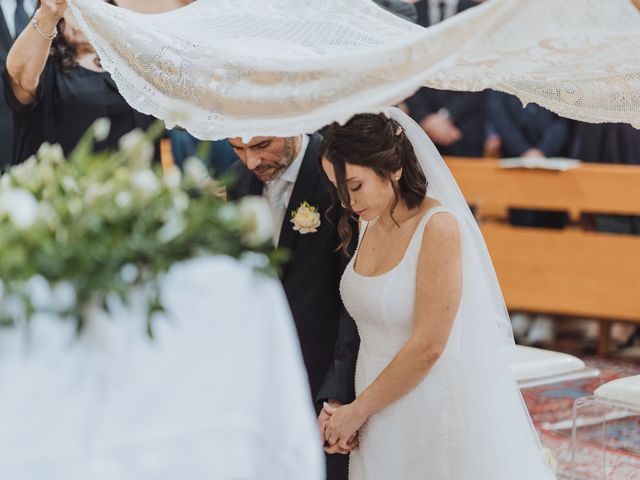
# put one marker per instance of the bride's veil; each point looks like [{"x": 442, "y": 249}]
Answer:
[{"x": 492, "y": 409}]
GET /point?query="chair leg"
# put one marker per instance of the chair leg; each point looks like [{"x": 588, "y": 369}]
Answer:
[{"x": 604, "y": 338}]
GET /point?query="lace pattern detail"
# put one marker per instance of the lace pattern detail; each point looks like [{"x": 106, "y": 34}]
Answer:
[{"x": 224, "y": 68}]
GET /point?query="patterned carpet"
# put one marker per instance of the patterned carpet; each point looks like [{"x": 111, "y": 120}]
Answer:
[{"x": 551, "y": 408}]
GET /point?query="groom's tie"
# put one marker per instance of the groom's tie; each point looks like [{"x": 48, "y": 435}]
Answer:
[
  {"x": 275, "y": 193},
  {"x": 21, "y": 18}
]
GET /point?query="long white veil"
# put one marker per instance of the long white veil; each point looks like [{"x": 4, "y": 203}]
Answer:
[{"x": 481, "y": 341}]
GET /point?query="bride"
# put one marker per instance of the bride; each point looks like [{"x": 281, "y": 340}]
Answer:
[{"x": 435, "y": 397}]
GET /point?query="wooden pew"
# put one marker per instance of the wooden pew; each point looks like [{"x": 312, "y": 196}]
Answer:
[{"x": 565, "y": 272}]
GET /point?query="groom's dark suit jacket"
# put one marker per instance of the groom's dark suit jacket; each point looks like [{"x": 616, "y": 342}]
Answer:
[{"x": 311, "y": 281}]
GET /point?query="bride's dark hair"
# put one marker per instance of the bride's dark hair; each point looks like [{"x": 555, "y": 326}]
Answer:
[{"x": 379, "y": 143}]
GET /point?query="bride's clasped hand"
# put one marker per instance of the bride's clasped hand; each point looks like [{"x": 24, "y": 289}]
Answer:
[{"x": 341, "y": 427}]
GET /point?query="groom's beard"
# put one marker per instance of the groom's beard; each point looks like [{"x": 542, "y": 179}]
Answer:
[{"x": 270, "y": 172}]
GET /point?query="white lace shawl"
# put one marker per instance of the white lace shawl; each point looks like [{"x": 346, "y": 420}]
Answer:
[{"x": 279, "y": 67}]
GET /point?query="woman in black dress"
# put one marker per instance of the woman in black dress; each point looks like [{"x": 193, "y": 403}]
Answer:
[{"x": 56, "y": 87}]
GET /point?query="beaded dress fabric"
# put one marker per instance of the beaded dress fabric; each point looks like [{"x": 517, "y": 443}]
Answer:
[
  {"x": 419, "y": 433},
  {"x": 437, "y": 429}
]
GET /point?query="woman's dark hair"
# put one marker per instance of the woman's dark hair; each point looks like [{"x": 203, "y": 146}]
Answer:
[
  {"x": 379, "y": 143},
  {"x": 63, "y": 54}
]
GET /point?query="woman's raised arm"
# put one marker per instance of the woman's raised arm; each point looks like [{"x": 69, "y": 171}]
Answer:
[{"x": 28, "y": 56}]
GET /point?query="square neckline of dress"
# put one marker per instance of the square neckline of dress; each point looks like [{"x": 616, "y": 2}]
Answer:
[{"x": 406, "y": 250}]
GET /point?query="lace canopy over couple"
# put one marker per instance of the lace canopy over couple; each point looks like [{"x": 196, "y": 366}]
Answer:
[{"x": 395, "y": 249}]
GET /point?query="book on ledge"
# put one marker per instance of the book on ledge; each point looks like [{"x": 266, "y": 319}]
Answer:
[{"x": 554, "y": 163}]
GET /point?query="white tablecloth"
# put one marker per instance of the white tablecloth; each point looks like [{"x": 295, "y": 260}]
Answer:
[{"x": 220, "y": 393}]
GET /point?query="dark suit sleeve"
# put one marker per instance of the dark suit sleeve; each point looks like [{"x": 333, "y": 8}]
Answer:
[
  {"x": 339, "y": 384},
  {"x": 420, "y": 104},
  {"x": 556, "y": 136},
  {"x": 463, "y": 104},
  {"x": 513, "y": 140}
]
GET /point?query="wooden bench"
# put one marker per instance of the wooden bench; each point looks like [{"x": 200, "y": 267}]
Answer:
[{"x": 565, "y": 272}]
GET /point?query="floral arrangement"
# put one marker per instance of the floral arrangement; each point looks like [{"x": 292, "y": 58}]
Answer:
[{"x": 96, "y": 226}]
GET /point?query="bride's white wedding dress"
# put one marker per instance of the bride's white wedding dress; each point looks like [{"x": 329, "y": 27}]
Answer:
[
  {"x": 419, "y": 436},
  {"x": 466, "y": 419}
]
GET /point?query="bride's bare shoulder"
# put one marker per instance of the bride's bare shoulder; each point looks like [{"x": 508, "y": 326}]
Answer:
[{"x": 442, "y": 227}]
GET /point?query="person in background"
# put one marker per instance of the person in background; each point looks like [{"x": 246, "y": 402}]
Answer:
[
  {"x": 14, "y": 17},
  {"x": 455, "y": 121},
  {"x": 56, "y": 87},
  {"x": 402, "y": 8},
  {"x": 217, "y": 155},
  {"x": 531, "y": 131},
  {"x": 614, "y": 143}
]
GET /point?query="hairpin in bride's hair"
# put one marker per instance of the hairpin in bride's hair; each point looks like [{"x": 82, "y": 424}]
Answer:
[{"x": 399, "y": 130}]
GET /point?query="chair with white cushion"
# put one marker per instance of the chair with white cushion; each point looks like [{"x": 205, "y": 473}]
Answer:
[
  {"x": 603, "y": 426},
  {"x": 534, "y": 367}
]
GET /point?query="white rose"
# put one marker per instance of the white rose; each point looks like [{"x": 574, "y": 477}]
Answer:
[
  {"x": 256, "y": 212},
  {"x": 101, "y": 129},
  {"x": 69, "y": 184},
  {"x": 174, "y": 226},
  {"x": 23, "y": 171},
  {"x": 123, "y": 199},
  {"x": 145, "y": 182},
  {"x": 50, "y": 153},
  {"x": 20, "y": 206},
  {"x": 129, "y": 273},
  {"x": 173, "y": 179},
  {"x": 138, "y": 147},
  {"x": 180, "y": 201},
  {"x": 48, "y": 215},
  {"x": 306, "y": 219},
  {"x": 64, "y": 296},
  {"x": 75, "y": 206},
  {"x": 195, "y": 171},
  {"x": 97, "y": 191},
  {"x": 228, "y": 212},
  {"x": 39, "y": 292}
]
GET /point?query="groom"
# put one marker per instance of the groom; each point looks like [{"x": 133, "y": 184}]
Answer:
[{"x": 285, "y": 172}]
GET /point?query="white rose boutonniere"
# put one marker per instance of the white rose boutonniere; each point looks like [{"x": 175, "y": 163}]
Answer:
[{"x": 305, "y": 219}]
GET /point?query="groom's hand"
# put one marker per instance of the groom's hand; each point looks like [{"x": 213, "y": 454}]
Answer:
[
  {"x": 324, "y": 417},
  {"x": 334, "y": 447}
]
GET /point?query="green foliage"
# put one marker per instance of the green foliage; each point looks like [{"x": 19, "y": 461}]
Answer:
[{"x": 81, "y": 230}]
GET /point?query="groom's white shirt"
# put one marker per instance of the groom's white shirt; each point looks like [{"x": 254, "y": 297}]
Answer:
[{"x": 289, "y": 175}]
